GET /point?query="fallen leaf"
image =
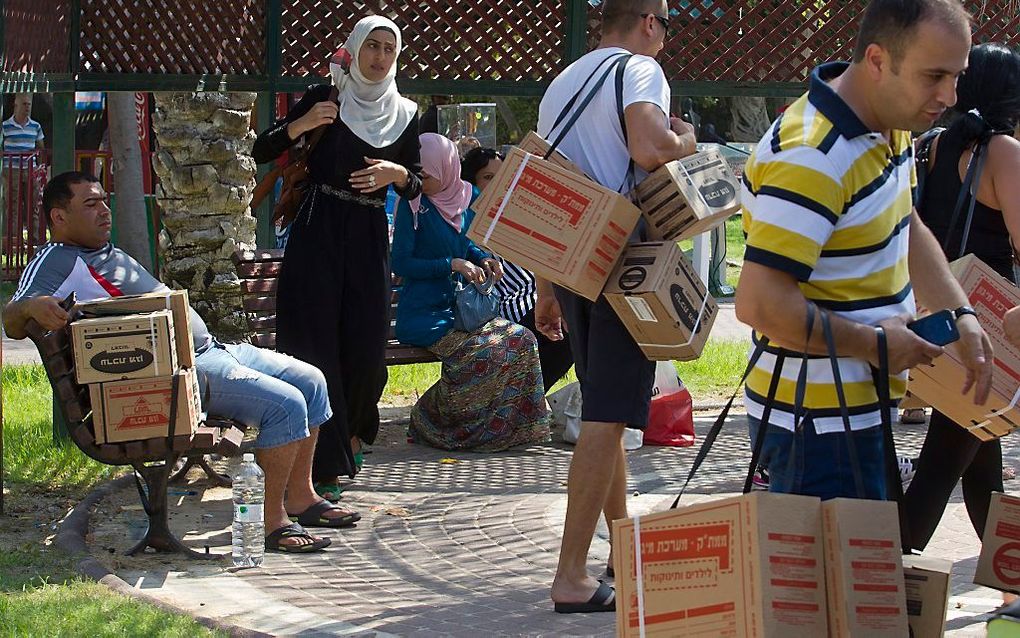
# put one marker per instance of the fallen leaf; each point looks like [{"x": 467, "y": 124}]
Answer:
[{"x": 448, "y": 461}]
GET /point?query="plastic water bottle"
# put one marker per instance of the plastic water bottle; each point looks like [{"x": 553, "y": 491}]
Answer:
[{"x": 248, "y": 534}]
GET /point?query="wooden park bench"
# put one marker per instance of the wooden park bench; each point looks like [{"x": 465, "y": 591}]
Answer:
[
  {"x": 259, "y": 270},
  {"x": 152, "y": 459}
]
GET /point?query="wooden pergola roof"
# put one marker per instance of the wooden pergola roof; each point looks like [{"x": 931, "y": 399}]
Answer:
[{"x": 477, "y": 47}]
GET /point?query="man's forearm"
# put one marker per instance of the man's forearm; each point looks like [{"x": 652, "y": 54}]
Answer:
[
  {"x": 762, "y": 291},
  {"x": 934, "y": 284},
  {"x": 15, "y": 317}
]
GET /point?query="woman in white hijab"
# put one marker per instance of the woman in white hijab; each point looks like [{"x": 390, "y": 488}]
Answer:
[{"x": 334, "y": 289}]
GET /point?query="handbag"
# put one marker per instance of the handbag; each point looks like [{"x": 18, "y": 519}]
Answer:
[
  {"x": 476, "y": 305},
  {"x": 295, "y": 178}
]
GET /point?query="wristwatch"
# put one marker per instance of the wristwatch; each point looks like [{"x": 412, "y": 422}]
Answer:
[{"x": 963, "y": 310}]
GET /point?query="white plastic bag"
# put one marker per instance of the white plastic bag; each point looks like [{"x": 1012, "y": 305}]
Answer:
[
  {"x": 565, "y": 405},
  {"x": 666, "y": 379}
]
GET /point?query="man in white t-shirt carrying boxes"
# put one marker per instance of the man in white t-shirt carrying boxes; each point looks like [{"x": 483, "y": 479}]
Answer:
[{"x": 616, "y": 378}]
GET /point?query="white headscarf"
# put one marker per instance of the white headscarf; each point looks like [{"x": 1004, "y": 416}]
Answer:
[{"x": 374, "y": 111}]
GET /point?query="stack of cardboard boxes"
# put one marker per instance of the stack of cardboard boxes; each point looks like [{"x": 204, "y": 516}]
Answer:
[
  {"x": 774, "y": 565},
  {"x": 131, "y": 351},
  {"x": 547, "y": 216}
]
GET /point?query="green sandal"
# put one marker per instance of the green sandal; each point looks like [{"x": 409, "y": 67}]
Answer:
[
  {"x": 329, "y": 491},
  {"x": 359, "y": 459}
]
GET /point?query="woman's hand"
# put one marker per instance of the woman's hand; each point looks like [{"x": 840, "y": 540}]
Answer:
[
  {"x": 378, "y": 174},
  {"x": 321, "y": 113},
  {"x": 493, "y": 268},
  {"x": 472, "y": 273}
]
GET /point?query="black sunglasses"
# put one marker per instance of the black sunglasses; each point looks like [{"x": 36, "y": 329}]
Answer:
[{"x": 663, "y": 20}]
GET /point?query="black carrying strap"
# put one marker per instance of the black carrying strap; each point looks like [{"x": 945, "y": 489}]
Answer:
[
  {"x": 759, "y": 441},
  {"x": 971, "y": 181},
  {"x": 619, "y": 63},
  {"x": 894, "y": 485},
  {"x": 844, "y": 411},
  {"x": 800, "y": 391},
  {"x": 573, "y": 100}
]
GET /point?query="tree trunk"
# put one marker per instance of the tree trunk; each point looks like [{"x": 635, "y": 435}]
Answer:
[
  {"x": 132, "y": 223},
  {"x": 206, "y": 177},
  {"x": 750, "y": 119}
]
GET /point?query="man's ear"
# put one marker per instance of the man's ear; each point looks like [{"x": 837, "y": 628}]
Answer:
[{"x": 57, "y": 217}]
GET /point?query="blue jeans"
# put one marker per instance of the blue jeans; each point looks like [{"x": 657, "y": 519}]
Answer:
[
  {"x": 280, "y": 395},
  {"x": 821, "y": 463}
]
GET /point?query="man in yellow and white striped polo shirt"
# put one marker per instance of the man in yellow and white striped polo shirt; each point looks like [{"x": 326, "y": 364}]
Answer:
[{"x": 829, "y": 221}]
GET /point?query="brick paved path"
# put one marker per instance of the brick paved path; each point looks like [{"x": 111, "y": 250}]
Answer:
[{"x": 466, "y": 548}]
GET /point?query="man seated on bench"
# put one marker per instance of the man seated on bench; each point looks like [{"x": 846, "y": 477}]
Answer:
[{"x": 285, "y": 398}]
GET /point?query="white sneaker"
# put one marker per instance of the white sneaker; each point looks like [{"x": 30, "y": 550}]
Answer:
[{"x": 908, "y": 468}]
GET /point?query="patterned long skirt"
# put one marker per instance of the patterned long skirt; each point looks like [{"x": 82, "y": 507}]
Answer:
[{"x": 489, "y": 397}]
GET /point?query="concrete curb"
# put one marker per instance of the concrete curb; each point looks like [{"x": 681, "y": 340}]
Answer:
[{"x": 71, "y": 539}]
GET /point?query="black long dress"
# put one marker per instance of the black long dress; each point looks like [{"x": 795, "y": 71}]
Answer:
[
  {"x": 334, "y": 289},
  {"x": 949, "y": 452}
]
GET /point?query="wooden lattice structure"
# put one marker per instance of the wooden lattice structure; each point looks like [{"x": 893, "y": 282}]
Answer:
[{"x": 487, "y": 47}]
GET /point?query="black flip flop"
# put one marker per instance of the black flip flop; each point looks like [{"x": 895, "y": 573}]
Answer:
[
  {"x": 610, "y": 571},
  {"x": 313, "y": 516},
  {"x": 604, "y": 599},
  {"x": 294, "y": 530}
]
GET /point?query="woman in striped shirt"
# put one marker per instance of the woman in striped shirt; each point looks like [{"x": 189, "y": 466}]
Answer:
[{"x": 517, "y": 287}]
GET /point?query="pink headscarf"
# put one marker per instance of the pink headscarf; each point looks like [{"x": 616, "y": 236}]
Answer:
[{"x": 439, "y": 159}]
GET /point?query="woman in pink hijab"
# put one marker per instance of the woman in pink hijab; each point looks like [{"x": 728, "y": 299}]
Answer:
[{"x": 490, "y": 394}]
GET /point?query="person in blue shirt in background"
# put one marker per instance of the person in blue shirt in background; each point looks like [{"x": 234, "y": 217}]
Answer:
[{"x": 490, "y": 395}]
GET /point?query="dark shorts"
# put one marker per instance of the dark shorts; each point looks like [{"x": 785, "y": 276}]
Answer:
[{"x": 616, "y": 378}]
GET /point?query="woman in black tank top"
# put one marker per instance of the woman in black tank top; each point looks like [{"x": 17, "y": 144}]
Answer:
[{"x": 991, "y": 85}]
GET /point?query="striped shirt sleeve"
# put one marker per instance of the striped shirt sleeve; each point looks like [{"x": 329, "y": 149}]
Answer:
[
  {"x": 795, "y": 199},
  {"x": 45, "y": 273}
]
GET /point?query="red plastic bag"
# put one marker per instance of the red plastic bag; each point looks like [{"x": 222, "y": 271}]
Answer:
[{"x": 671, "y": 417}]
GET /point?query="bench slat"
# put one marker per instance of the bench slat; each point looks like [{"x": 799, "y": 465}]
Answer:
[
  {"x": 259, "y": 270},
  {"x": 259, "y": 255},
  {"x": 265, "y": 341},
  {"x": 252, "y": 286},
  {"x": 259, "y": 304}
]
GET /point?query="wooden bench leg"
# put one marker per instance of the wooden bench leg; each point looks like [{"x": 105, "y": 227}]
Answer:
[
  {"x": 215, "y": 478},
  {"x": 154, "y": 500}
]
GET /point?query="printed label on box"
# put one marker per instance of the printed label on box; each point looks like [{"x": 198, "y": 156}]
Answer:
[{"x": 641, "y": 308}]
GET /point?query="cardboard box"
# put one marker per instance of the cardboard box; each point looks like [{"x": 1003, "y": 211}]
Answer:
[
  {"x": 140, "y": 409},
  {"x": 554, "y": 222},
  {"x": 999, "y": 562},
  {"x": 744, "y": 566},
  {"x": 939, "y": 384},
  {"x": 662, "y": 301},
  {"x": 863, "y": 568},
  {"x": 689, "y": 196},
  {"x": 127, "y": 347},
  {"x": 176, "y": 301},
  {"x": 926, "y": 582},
  {"x": 537, "y": 145}
]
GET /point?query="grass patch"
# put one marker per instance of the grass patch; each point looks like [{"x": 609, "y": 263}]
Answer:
[
  {"x": 40, "y": 592},
  {"x": 30, "y": 454},
  {"x": 80, "y": 608},
  {"x": 715, "y": 373},
  {"x": 718, "y": 370}
]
